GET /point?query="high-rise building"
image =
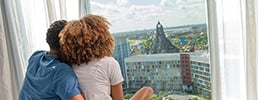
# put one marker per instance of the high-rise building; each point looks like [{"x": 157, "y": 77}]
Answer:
[
  {"x": 122, "y": 50},
  {"x": 186, "y": 72}
]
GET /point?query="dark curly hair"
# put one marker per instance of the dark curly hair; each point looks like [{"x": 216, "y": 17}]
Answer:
[
  {"x": 86, "y": 39},
  {"x": 53, "y": 32}
]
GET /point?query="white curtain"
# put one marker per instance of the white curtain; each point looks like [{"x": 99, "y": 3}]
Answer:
[
  {"x": 252, "y": 47},
  {"x": 39, "y": 14},
  {"x": 23, "y": 26},
  {"x": 84, "y": 6},
  {"x": 14, "y": 47},
  {"x": 233, "y": 49}
]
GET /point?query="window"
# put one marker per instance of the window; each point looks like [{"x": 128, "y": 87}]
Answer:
[
  {"x": 159, "y": 31},
  {"x": 155, "y": 30}
]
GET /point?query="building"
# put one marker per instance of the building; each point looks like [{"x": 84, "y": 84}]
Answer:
[
  {"x": 201, "y": 75},
  {"x": 122, "y": 50},
  {"x": 173, "y": 72},
  {"x": 186, "y": 72},
  {"x": 160, "y": 71}
]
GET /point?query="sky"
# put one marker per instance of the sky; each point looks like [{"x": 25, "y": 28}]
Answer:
[{"x": 131, "y": 15}]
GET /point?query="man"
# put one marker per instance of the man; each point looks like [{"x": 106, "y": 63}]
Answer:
[{"x": 47, "y": 78}]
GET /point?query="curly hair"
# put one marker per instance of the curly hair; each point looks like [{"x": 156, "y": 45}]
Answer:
[
  {"x": 86, "y": 39},
  {"x": 53, "y": 32}
]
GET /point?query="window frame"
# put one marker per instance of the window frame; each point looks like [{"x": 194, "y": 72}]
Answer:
[{"x": 212, "y": 28}]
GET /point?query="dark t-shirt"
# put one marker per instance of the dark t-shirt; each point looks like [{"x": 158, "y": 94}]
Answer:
[{"x": 48, "y": 79}]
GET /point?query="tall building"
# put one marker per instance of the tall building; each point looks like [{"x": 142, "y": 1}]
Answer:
[
  {"x": 186, "y": 72},
  {"x": 122, "y": 50}
]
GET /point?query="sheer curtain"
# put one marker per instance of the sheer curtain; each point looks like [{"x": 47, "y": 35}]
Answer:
[
  {"x": 233, "y": 49},
  {"x": 39, "y": 14},
  {"x": 252, "y": 44},
  {"x": 14, "y": 43},
  {"x": 23, "y": 25}
]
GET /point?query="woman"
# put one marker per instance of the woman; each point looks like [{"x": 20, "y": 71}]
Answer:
[{"x": 87, "y": 45}]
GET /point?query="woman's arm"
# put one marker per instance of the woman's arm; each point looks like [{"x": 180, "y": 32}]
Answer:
[
  {"x": 117, "y": 92},
  {"x": 144, "y": 93}
]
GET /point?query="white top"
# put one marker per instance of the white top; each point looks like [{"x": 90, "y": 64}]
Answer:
[{"x": 96, "y": 77}]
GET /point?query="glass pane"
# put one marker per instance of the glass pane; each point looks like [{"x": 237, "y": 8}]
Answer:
[{"x": 162, "y": 44}]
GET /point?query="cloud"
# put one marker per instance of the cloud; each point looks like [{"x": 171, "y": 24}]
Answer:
[
  {"x": 190, "y": 4},
  {"x": 137, "y": 17},
  {"x": 121, "y": 2},
  {"x": 113, "y": 8},
  {"x": 132, "y": 17},
  {"x": 166, "y": 3}
]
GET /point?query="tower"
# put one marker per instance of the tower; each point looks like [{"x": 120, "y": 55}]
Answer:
[{"x": 160, "y": 43}]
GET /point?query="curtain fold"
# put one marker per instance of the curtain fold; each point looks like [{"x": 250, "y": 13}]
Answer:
[
  {"x": 232, "y": 50},
  {"x": 52, "y": 16},
  {"x": 5, "y": 78},
  {"x": 23, "y": 26},
  {"x": 233, "y": 46},
  {"x": 213, "y": 25},
  {"x": 251, "y": 22},
  {"x": 62, "y": 8},
  {"x": 14, "y": 45},
  {"x": 84, "y": 7}
]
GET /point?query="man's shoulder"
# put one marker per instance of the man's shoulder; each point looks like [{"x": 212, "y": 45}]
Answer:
[
  {"x": 37, "y": 54},
  {"x": 60, "y": 66},
  {"x": 63, "y": 72}
]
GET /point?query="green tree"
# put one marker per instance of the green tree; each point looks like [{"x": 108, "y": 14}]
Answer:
[
  {"x": 128, "y": 96},
  {"x": 156, "y": 97},
  {"x": 195, "y": 99}
]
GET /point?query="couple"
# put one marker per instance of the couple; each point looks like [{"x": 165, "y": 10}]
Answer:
[{"x": 87, "y": 46}]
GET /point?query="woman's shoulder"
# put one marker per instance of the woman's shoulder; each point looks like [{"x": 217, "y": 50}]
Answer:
[
  {"x": 105, "y": 61},
  {"x": 108, "y": 59}
]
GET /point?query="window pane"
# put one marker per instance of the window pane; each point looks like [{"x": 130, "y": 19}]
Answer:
[{"x": 162, "y": 44}]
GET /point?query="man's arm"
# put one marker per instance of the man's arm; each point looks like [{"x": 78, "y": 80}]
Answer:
[
  {"x": 117, "y": 92},
  {"x": 77, "y": 97}
]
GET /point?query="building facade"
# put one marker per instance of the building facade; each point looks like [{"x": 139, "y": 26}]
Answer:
[
  {"x": 186, "y": 72},
  {"x": 173, "y": 72},
  {"x": 160, "y": 71},
  {"x": 201, "y": 75},
  {"x": 122, "y": 50}
]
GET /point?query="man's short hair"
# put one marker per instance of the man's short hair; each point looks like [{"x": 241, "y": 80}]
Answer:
[{"x": 53, "y": 32}]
